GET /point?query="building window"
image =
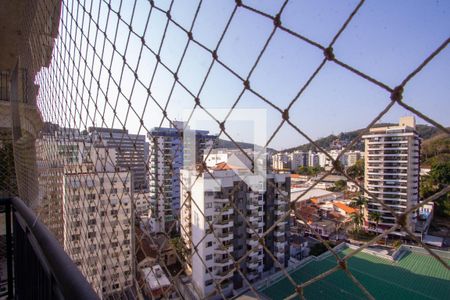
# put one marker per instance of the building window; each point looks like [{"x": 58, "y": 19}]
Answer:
[
  {"x": 208, "y": 205},
  {"x": 208, "y": 244},
  {"x": 208, "y": 257},
  {"x": 208, "y": 282}
]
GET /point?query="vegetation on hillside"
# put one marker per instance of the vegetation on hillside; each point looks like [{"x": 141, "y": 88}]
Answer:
[
  {"x": 425, "y": 132},
  {"x": 438, "y": 177},
  {"x": 221, "y": 143},
  {"x": 435, "y": 150}
]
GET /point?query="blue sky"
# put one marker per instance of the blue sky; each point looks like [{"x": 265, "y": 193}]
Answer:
[{"x": 386, "y": 40}]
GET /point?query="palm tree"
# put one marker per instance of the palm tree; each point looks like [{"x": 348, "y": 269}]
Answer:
[
  {"x": 375, "y": 217},
  {"x": 360, "y": 203},
  {"x": 358, "y": 220}
]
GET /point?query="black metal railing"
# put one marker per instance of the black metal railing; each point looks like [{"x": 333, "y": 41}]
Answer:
[
  {"x": 37, "y": 265},
  {"x": 27, "y": 86},
  {"x": 4, "y": 86}
]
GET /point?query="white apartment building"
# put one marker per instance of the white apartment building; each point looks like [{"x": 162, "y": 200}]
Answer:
[
  {"x": 313, "y": 159},
  {"x": 222, "y": 235},
  {"x": 281, "y": 162},
  {"x": 352, "y": 157},
  {"x": 392, "y": 165},
  {"x": 167, "y": 156},
  {"x": 298, "y": 159},
  {"x": 99, "y": 220},
  {"x": 294, "y": 160}
]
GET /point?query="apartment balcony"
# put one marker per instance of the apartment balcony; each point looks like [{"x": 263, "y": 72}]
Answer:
[
  {"x": 387, "y": 142},
  {"x": 253, "y": 265},
  {"x": 278, "y": 233},
  {"x": 253, "y": 218},
  {"x": 223, "y": 224},
  {"x": 253, "y": 231},
  {"x": 279, "y": 201},
  {"x": 281, "y": 225},
  {"x": 280, "y": 213},
  {"x": 253, "y": 242},
  {"x": 224, "y": 211},
  {"x": 279, "y": 244},
  {"x": 221, "y": 200},
  {"x": 221, "y": 274},
  {"x": 41, "y": 267},
  {"x": 225, "y": 248},
  {"x": 251, "y": 206},
  {"x": 223, "y": 262},
  {"x": 279, "y": 255},
  {"x": 257, "y": 224},
  {"x": 223, "y": 237},
  {"x": 252, "y": 276}
]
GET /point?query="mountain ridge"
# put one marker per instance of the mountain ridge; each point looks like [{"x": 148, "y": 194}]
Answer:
[{"x": 424, "y": 131}]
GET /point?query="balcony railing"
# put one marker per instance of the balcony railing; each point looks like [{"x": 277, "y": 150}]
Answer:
[{"x": 37, "y": 265}]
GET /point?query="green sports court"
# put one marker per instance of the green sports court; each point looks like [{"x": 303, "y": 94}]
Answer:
[{"x": 413, "y": 276}]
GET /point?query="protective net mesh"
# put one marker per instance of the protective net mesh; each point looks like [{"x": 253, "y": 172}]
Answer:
[{"x": 104, "y": 181}]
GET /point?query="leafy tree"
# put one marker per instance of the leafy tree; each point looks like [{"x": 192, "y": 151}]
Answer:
[
  {"x": 357, "y": 170},
  {"x": 340, "y": 185},
  {"x": 438, "y": 178},
  {"x": 360, "y": 202},
  {"x": 310, "y": 171},
  {"x": 179, "y": 246},
  {"x": 435, "y": 149},
  {"x": 440, "y": 173}
]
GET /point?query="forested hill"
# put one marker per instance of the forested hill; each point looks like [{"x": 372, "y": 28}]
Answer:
[
  {"x": 435, "y": 149},
  {"x": 425, "y": 132}
]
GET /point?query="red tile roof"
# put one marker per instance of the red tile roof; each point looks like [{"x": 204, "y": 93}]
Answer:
[
  {"x": 223, "y": 166},
  {"x": 346, "y": 208}
]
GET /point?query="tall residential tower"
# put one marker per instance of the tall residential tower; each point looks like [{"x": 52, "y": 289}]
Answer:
[
  {"x": 392, "y": 165},
  {"x": 167, "y": 156}
]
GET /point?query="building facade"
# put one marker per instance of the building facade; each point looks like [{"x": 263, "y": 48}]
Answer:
[
  {"x": 167, "y": 156},
  {"x": 131, "y": 152},
  {"x": 224, "y": 221},
  {"x": 98, "y": 222},
  {"x": 392, "y": 166}
]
